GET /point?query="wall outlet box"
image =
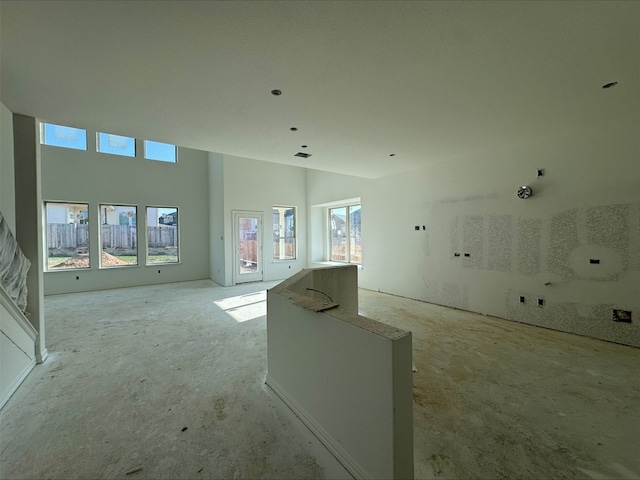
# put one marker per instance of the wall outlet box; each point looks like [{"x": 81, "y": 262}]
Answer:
[
  {"x": 541, "y": 302},
  {"x": 623, "y": 316}
]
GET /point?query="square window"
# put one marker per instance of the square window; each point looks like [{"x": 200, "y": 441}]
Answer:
[
  {"x": 284, "y": 233},
  {"x": 67, "y": 236},
  {"x": 116, "y": 144},
  {"x": 162, "y": 235},
  {"x": 62, "y": 136},
  {"x": 118, "y": 236},
  {"x": 162, "y": 152}
]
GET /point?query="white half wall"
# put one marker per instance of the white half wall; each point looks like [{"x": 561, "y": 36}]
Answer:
[
  {"x": 94, "y": 178},
  {"x": 347, "y": 377}
]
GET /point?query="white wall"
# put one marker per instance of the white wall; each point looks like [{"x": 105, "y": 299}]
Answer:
[
  {"x": 217, "y": 270},
  {"x": 94, "y": 178},
  {"x": 326, "y": 188},
  {"x": 587, "y": 205},
  {"x": 7, "y": 184},
  {"x": 254, "y": 185}
]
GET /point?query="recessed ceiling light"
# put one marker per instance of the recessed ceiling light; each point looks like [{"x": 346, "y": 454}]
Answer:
[
  {"x": 392, "y": 155},
  {"x": 294, "y": 129},
  {"x": 276, "y": 92},
  {"x": 303, "y": 146},
  {"x": 609, "y": 85}
]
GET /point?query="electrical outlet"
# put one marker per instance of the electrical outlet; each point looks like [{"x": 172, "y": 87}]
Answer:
[{"x": 623, "y": 316}]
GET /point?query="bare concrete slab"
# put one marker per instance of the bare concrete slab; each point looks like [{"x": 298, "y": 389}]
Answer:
[
  {"x": 499, "y": 399},
  {"x": 164, "y": 379}
]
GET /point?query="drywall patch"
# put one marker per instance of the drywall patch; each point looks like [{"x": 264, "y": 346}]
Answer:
[
  {"x": 593, "y": 262},
  {"x": 528, "y": 246},
  {"x": 473, "y": 239},
  {"x": 454, "y": 236},
  {"x": 500, "y": 242},
  {"x": 609, "y": 226},
  {"x": 634, "y": 254},
  {"x": 592, "y": 321},
  {"x": 563, "y": 240}
]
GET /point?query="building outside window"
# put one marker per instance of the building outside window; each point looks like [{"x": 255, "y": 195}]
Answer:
[
  {"x": 118, "y": 235},
  {"x": 345, "y": 234},
  {"x": 284, "y": 233},
  {"x": 162, "y": 235},
  {"x": 67, "y": 236}
]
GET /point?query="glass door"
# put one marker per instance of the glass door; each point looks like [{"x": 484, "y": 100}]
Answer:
[{"x": 247, "y": 235}]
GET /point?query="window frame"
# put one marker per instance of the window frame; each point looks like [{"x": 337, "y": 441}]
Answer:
[
  {"x": 146, "y": 155},
  {"x": 284, "y": 238},
  {"x": 177, "y": 235},
  {"x": 46, "y": 248},
  {"x": 98, "y": 145},
  {"x": 100, "y": 237},
  {"x": 347, "y": 235},
  {"x": 43, "y": 137}
]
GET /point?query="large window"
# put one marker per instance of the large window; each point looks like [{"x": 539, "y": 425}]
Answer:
[
  {"x": 118, "y": 235},
  {"x": 284, "y": 233},
  {"x": 61, "y": 136},
  {"x": 162, "y": 152},
  {"x": 345, "y": 237},
  {"x": 162, "y": 235},
  {"x": 116, "y": 144},
  {"x": 67, "y": 235}
]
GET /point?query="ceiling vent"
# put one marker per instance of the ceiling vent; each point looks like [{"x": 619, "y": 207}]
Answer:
[{"x": 302, "y": 155}]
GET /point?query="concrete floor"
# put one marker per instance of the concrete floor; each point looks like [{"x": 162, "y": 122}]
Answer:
[{"x": 163, "y": 382}]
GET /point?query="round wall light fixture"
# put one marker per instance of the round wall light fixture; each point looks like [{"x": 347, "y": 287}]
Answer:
[{"x": 524, "y": 192}]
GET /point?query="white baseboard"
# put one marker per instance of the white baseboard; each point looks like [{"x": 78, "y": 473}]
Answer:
[
  {"x": 17, "y": 383},
  {"x": 340, "y": 454},
  {"x": 42, "y": 356}
]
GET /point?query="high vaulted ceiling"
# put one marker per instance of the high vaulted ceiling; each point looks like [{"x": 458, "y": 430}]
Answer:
[{"x": 428, "y": 81}]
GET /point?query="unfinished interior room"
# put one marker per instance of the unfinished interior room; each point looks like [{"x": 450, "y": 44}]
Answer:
[{"x": 319, "y": 239}]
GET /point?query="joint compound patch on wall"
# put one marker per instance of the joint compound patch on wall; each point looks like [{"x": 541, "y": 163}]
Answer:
[
  {"x": 609, "y": 226},
  {"x": 473, "y": 241},
  {"x": 594, "y": 321},
  {"x": 634, "y": 254},
  {"x": 499, "y": 248},
  {"x": 528, "y": 246},
  {"x": 563, "y": 240},
  {"x": 455, "y": 236}
]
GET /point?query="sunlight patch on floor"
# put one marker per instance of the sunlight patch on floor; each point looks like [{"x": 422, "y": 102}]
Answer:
[{"x": 243, "y": 308}]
